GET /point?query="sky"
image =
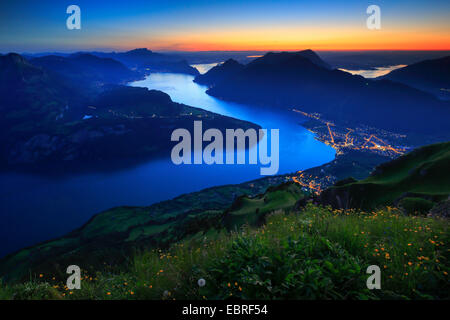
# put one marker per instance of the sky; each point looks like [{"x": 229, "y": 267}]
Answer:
[{"x": 203, "y": 25}]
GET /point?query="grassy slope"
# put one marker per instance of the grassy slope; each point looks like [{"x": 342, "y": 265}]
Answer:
[
  {"x": 252, "y": 210},
  {"x": 111, "y": 235},
  {"x": 423, "y": 173},
  {"x": 316, "y": 253}
]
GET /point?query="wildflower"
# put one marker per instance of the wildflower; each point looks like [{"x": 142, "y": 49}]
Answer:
[
  {"x": 41, "y": 275},
  {"x": 108, "y": 293},
  {"x": 201, "y": 282}
]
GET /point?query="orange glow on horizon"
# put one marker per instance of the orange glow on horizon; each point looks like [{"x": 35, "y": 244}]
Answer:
[
  {"x": 325, "y": 39},
  {"x": 217, "y": 46}
]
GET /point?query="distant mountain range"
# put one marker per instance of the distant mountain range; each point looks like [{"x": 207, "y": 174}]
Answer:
[
  {"x": 70, "y": 111},
  {"x": 142, "y": 60},
  {"x": 356, "y": 60},
  {"x": 147, "y": 61},
  {"x": 301, "y": 80},
  {"x": 87, "y": 71},
  {"x": 430, "y": 75}
]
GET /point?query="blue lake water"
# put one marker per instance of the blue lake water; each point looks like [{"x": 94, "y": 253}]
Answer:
[{"x": 35, "y": 208}]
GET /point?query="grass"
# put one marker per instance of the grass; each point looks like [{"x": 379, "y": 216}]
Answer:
[
  {"x": 317, "y": 253},
  {"x": 112, "y": 232},
  {"x": 423, "y": 172}
]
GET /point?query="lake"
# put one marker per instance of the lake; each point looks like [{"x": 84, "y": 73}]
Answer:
[
  {"x": 375, "y": 72},
  {"x": 35, "y": 208}
]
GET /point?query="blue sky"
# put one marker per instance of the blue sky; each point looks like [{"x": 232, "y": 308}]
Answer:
[{"x": 31, "y": 26}]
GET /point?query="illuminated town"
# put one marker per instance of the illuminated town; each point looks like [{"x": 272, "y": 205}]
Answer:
[{"x": 362, "y": 139}]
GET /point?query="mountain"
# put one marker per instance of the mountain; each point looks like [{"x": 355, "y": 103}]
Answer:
[
  {"x": 146, "y": 61},
  {"x": 415, "y": 181},
  {"x": 232, "y": 67},
  {"x": 368, "y": 60},
  {"x": 272, "y": 58},
  {"x": 29, "y": 95},
  {"x": 32, "y": 100},
  {"x": 121, "y": 123},
  {"x": 430, "y": 75},
  {"x": 135, "y": 101},
  {"x": 47, "y": 118},
  {"x": 289, "y": 80},
  {"x": 87, "y": 71},
  {"x": 219, "y": 72},
  {"x": 314, "y": 58}
]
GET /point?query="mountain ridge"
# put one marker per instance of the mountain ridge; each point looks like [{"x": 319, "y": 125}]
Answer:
[
  {"x": 284, "y": 81},
  {"x": 147, "y": 61},
  {"x": 432, "y": 76},
  {"x": 48, "y": 118}
]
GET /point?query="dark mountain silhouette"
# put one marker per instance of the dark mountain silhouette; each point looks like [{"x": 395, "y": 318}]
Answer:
[
  {"x": 87, "y": 71},
  {"x": 219, "y": 72},
  {"x": 289, "y": 80},
  {"x": 430, "y": 75},
  {"x": 148, "y": 61},
  {"x": 135, "y": 101},
  {"x": 30, "y": 94},
  {"x": 276, "y": 58},
  {"x": 231, "y": 66},
  {"x": 314, "y": 58}
]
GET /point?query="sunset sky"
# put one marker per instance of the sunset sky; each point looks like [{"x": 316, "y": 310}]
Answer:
[{"x": 33, "y": 26}]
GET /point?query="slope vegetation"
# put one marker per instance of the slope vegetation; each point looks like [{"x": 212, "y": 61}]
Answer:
[{"x": 423, "y": 175}]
